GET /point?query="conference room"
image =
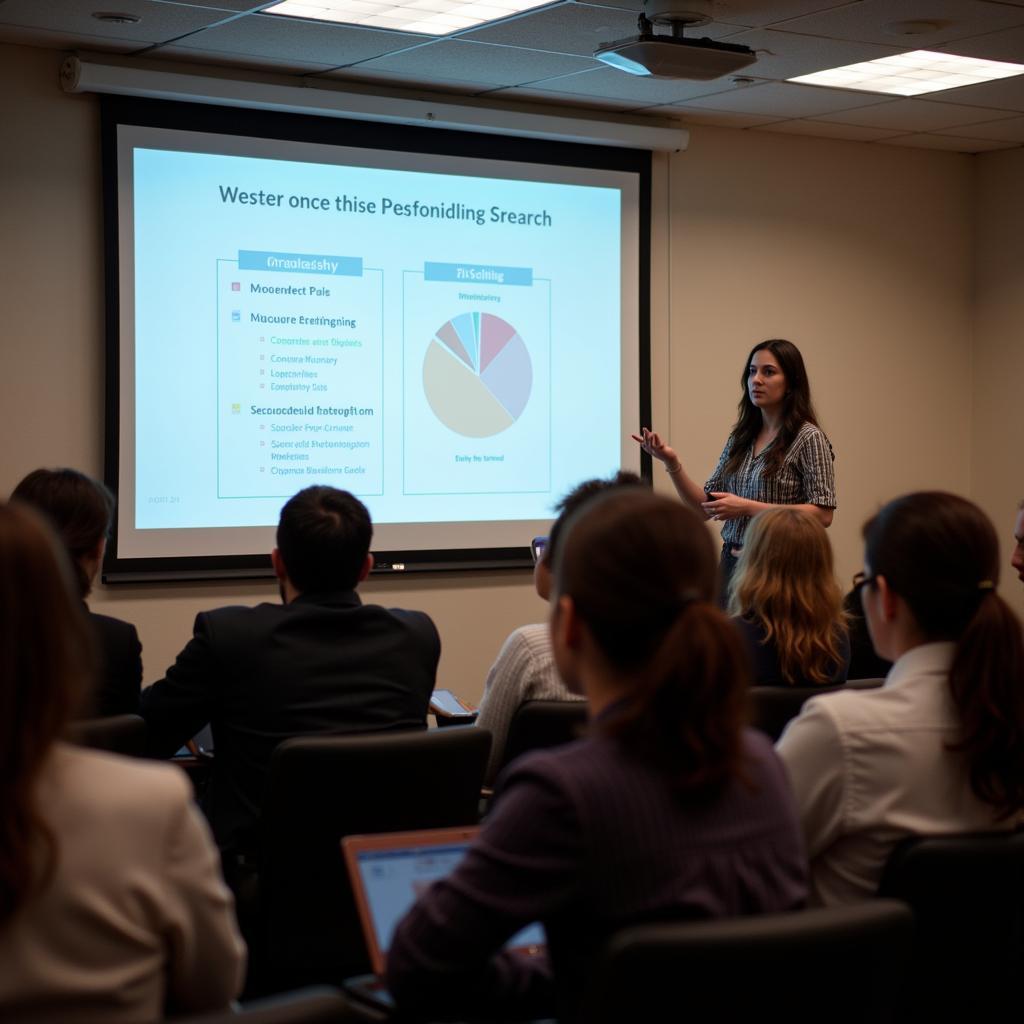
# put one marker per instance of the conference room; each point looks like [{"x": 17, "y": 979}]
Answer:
[{"x": 879, "y": 233}]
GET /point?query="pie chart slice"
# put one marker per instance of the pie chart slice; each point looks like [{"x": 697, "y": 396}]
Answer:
[{"x": 484, "y": 394}]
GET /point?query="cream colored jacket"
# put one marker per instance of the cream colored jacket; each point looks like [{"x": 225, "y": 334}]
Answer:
[{"x": 137, "y": 912}]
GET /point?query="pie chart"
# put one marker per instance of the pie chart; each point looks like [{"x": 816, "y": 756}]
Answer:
[{"x": 477, "y": 374}]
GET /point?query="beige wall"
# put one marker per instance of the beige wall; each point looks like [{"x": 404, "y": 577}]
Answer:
[
  {"x": 997, "y": 456},
  {"x": 861, "y": 254}
]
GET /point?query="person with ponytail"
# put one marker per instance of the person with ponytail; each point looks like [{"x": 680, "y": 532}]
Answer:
[
  {"x": 81, "y": 509},
  {"x": 669, "y": 809},
  {"x": 939, "y": 749},
  {"x": 111, "y": 900},
  {"x": 776, "y": 454},
  {"x": 786, "y": 603}
]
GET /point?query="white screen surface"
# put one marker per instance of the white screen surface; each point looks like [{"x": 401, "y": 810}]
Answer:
[{"x": 455, "y": 340}]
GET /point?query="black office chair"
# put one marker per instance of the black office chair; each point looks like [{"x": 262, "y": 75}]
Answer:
[
  {"x": 774, "y": 706},
  {"x": 118, "y": 734},
  {"x": 967, "y": 893},
  {"x": 842, "y": 965},
  {"x": 321, "y": 789},
  {"x": 315, "y": 1005},
  {"x": 544, "y": 723}
]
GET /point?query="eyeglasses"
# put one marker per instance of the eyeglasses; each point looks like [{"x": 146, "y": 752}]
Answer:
[
  {"x": 537, "y": 546},
  {"x": 862, "y": 580}
]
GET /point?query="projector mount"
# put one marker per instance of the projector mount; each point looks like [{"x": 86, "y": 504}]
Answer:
[{"x": 671, "y": 54}]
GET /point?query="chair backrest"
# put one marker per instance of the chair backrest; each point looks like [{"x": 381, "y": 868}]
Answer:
[
  {"x": 774, "y": 706},
  {"x": 544, "y": 723},
  {"x": 864, "y": 684},
  {"x": 840, "y": 964},
  {"x": 321, "y": 789},
  {"x": 315, "y": 1005},
  {"x": 119, "y": 734},
  {"x": 967, "y": 893}
]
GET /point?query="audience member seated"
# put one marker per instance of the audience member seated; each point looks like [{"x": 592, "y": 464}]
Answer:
[
  {"x": 81, "y": 510},
  {"x": 938, "y": 749},
  {"x": 111, "y": 900},
  {"x": 525, "y": 669},
  {"x": 669, "y": 809},
  {"x": 321, "y": 662},
  {"x": 786, "y": 602},
  {"x": 1017, "y": 558},
  {"x": 864, "y": 661}
]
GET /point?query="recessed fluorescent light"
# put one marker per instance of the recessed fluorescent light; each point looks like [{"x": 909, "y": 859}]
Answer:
[
  {"x": 431, "y": 17},
  {"x": 911, "y": 74}
]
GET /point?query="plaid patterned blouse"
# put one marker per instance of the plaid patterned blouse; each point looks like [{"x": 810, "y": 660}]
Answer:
[{"x": 806, "y": 477}]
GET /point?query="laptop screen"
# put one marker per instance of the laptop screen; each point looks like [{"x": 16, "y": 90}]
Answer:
[{"x": 391, "y": 878}]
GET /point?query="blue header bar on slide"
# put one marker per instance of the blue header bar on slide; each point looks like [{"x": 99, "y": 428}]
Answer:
[
  {"x": 473, "y": 273},
  {"x": 300, "y": 263}
]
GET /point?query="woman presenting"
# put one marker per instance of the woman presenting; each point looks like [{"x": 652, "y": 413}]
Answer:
[{"x": 775, "y": 455}]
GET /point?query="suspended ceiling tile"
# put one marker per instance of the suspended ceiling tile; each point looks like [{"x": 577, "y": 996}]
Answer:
[
  {"x": 783, "y": 55},
  {"x": 261, "y": 35},
  {"x": 1007, "y": 45},
  {"x": 908, "y": 115},
  {"x": 157, "y": 22},
  {"x": 1007, "y": 130},
  {"x": 237, "y": 60},
  {"x": 866, "y": 21},
  {"x": 1005, "y": 94},
  {"x": 715, "y": 118},
  {"x": 826, "y": 130},
  {"x": 950, "y": 142},
  {"x": 568, "y": 28},
  {"x": 236, "y": 6},
  {"x": 581, "y": 100},
  {"x": 59, "y": 40},
  {"x": 759, "y": 13},
  {"x": 783, "y": 100},
  {"x": 361, "y": 75},
  {"x": 607, "y": 83},
  {"x": 479, "y": 62}
]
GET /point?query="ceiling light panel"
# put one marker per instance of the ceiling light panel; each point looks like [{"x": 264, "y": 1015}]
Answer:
[
  {"x": 431, "y": 17},
  {"x": 912, "y": 74}
]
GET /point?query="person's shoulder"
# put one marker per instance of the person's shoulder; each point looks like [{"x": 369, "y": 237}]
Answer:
[
  {"x": 530, "y": 640},
  {"x": 809, "y": 432},
  {"x": 406, "y": 616},
  {"x": 107, "y": 784},
  {"x": 110, "y": 624}
]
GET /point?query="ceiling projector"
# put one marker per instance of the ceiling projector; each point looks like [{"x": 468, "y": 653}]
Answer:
[{"x": 669, "y": 55}]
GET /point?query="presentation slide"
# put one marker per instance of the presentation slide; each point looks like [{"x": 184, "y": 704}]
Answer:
[{"x": 449, "y": 339}]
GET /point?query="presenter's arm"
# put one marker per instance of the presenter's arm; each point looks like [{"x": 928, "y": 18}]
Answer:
[
  {"x": 180, "y": 704},
  {"x": 689, "y": 491},
  {"x": 732, "y": 506},
  {"x": 813, "y": 460}
]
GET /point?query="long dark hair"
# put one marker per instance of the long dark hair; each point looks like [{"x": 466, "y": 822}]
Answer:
[
  {"x": 940, "y": 554},
  {"x": 641, "y": 572},
  {"x": 78, "y": 507},
  {"x": 797, "y": 408},
  {"x": 45, "y": 654}
]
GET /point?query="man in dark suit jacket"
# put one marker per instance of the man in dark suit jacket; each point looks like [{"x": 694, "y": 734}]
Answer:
[
  {"x": 321, "y": 662},
  {"x": 120, "y": 661}
]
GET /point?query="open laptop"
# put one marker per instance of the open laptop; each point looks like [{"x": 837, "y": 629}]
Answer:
[{"x": 388, "y": 873}]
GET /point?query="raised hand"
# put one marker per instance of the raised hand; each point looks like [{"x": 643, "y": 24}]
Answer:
[{"x": 652, "y": 443}]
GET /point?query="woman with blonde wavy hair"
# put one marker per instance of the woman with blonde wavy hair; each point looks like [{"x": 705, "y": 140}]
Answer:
[{"x": 787, "y": 604}]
